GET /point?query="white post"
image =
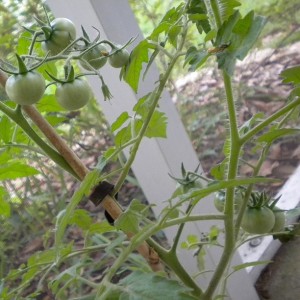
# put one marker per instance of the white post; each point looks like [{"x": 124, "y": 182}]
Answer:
[{"x": 157, "y": 157}]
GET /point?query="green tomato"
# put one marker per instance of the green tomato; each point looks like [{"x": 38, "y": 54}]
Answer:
[
  {"x": 62, "y": 34},
  {"x": 119, "y": 59},
  {"x": 95, "y": 58},
  {"x": 73, "y": 95},
  {"x": 258, "y": 220},
  {"x": 279, "y": 220},
  {"x": 25, "y": 89},
  {"x": 219, "y": 201}
]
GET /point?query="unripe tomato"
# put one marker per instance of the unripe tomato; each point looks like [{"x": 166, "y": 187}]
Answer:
[
  {"x": 258, "y": 220},
  {"x": 95, "y": 58},
  {"x": 279, "y": 220},
  {"x": 62, "y": 34},
  {"x": 219, "y": 201},
  {"x": 25, "y": 89},
  {"x": 73, "y": 95},
  {"x": 119, "y": 59}
]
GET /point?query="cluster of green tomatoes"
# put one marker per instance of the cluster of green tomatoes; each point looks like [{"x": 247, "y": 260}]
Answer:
[
  {"x": 261, "y": 215},
  {"x": 26, "y": 86}
]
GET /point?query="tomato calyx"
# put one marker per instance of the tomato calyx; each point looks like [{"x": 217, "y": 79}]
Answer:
[{"x": 189, "y": 180}]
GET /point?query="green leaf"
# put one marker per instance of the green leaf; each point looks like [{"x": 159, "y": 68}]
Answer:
[
  {"x": 247, "y": 31},
  {"x": 277, "y": 133},
  {"x": 82, "y": 219},
  {"x": 4, "y": 205},
  {"x": 123, "y": 136},
  {"x": 16, "y": 169},
  {"x": 149, "y": 286},
  {"x": 173, "y": 33},
  {"x": 124, "y": 116},
  {"x": 210, "y": 35},
  {"x": 162, "y": 27},
  {"x": 101, "y": 228},
  {"x": 241, "y": 34},
  {"x": 195, "y": 58},
  {"x": 24, "y": 43},
  {"x": 55, "y": 120},
  {"x": 6, "y": 129},
  {"x": 227, "y": 8},
  {"x": 130, "y": 219},
  {"x": 138, "y": 56},
  {"x": 49, "y": 104},
  {"x": 291, "y": 75},
  {"x": 197, "y": 7},
  {"x": 251, "y": 122},
  {"x": 218, "y": 171},
  {"x": 157, "y": 126}
]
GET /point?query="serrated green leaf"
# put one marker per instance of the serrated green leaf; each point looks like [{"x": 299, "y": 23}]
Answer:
[
  {"x": 197, "y": 7},
  {"x": 49, "y": 104},
  {"x": 101, "y": 228},
  {"x": 291, "y": 75},
  {"x": 277, "y": 133},
  {"x": 227, "y": 8},
  {"x": 4, "y": 205},
  {"x": 6, "y": 129},
  {"x": 173, "y": 33},
  {"x": 138, "y": 56},
  {"x": 162, "y": 27},
  {"x": 149, "y": 286},
  {"x": 130, "y": 219},
  {"x": 55, "y": 120},
  {"x": 195, "y": 58},
  {"x": 252, "y": 26},
  {"x": 16, "y": 169},
  {"x": 24, "y": 42},
  {"x": 123, "y": 136},
  {"x": 218, "y": 171},
  {"x": 123, "y": 117},
  {"x": 251, "y": 122},
  {"x": 82, "y": 219},
  {"x": 157, "y": 126},
  {"x": 48, "y": 67},
  {"x": 241, "y": 34},
  {"x": 143, "y": 105}
]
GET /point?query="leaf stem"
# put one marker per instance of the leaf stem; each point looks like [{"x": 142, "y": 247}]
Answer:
[{"x": 269, "y": 120}]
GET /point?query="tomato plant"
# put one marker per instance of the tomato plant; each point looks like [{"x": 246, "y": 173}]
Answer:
[
  {"x": 225, "y": 36},
  {"x": 258, "y": 220},
  {"x": 58, "y": 35}
]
